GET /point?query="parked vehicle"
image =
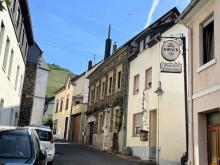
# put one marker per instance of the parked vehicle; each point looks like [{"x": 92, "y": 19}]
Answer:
[
  {"x": 45, "y": 135},
  {"x": 20, "y": 146}
]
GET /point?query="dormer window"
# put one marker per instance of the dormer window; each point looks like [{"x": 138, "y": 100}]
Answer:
[{"x": 141, "y": 46}]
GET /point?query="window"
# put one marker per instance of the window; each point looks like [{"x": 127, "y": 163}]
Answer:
[
  {"x": 148, "y": 78},
  {"x": 55, "y": 126},
  {"x": 101, "y": 121},
  {"x": 103, "y": 89},
  {"x": 26, "y": 49},
  {"x": 16, "y": 78},
  {"x": 2, "y": 31},
  {"x": 18, "y": 17},
  {"x": 136, "y": 84},
  {"x": 97, "y": 91},
  {"x": 77, "y": 102},
  {"x": 57, "y": 106},
  {"x": 119, "y": 80},
  {"x": 21, "y": 84},
  {"x": 208, "y": 41},
  {"x": 14, "y": 4},
  {"x": 5, "y": 60},
  {"x": 92, "y": 96},
  {"x": 10, "y": 64},
  {"x": 110, "y": 85},
  {"x": 137, "y": 124},
  {"x": 22, "y": 39},
  {"x": 67, "y": 103},
  {"x": 116, "y": 119},
  {"x": 61, "y": 105},
  {"x": 141, "y": 46}
]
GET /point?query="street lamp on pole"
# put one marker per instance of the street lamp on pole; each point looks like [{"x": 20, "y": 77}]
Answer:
[{"x": 159, "y": 93}]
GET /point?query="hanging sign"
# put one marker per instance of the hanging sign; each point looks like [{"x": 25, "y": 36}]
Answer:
[{"x": 170, "y": 50}]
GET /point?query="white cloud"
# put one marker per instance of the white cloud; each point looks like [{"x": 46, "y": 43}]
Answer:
[{"x": 152, "y": 10}]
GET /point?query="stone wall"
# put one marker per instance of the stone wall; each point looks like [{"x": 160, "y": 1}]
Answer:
[{"x": 27, "y": 94}]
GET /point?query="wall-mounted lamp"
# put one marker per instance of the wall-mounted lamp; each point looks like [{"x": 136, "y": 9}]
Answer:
[{"x": 159, "y": 90}]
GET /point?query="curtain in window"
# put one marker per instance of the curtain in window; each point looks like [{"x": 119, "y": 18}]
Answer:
[{"x": 209, "y": 43}]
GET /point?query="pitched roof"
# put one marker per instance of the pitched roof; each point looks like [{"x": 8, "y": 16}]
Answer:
[{"x": 27, "y": 21}]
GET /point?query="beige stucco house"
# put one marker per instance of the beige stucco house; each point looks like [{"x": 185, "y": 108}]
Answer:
[
  {"x": 70, "y": 106},
  {"x": 202, "y": 19},
  {"x": 156, "y": 123},
  {"x": 77, "y": 129},
  {"x": 62, "y": 109}
]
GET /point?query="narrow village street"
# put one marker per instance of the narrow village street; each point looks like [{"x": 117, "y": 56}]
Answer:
[{"x": 77, "y": 154}]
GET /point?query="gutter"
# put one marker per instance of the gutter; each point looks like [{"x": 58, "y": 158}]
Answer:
[{"x": 188, "y": 8}]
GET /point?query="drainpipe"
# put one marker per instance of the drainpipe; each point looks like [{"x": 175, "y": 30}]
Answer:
[{"x": 189, "y": 121}]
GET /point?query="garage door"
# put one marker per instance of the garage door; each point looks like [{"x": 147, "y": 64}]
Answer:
[{"x": 76, "y": 127}]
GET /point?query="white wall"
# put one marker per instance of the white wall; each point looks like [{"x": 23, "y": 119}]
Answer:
[
  {"x": 171, "y": 132},
  {"x": 8, "y": 93},
  {"x": 39, "y": 96}
]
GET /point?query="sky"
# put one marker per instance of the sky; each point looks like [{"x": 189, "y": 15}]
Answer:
[{"x": 72, "y": 32}]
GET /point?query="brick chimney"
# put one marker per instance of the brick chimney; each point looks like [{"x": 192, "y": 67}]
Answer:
[
  {"x": 89, "y": 65},
  {"x": 108, "y": 44},
  {"x": 115, "y": 47}
]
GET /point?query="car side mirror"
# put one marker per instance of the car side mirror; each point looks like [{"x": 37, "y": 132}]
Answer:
[{"x": 42, "y": 155}]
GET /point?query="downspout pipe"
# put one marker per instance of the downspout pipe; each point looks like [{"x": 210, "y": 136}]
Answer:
[{"x": 189, "y": 106}]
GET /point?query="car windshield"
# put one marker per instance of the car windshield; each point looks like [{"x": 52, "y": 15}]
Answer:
[
  {"x": 15, "y": 144},
  {"x": 44, "y": 135}
]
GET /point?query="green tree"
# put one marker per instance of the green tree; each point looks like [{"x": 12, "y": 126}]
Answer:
[
  {"x": 1, "y": 4},
  {"x": 48, "y": 122}
]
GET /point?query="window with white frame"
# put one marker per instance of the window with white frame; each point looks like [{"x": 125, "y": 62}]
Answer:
[
  {"x": 148, "y": 78},
  {"x": 136, "y": 84},
  {"x": 16, "y": 78},
  {"x": 5, "y": 59},
  {"x": 141, "y": 46},
  {"x": 18, "y": 17},
  {"x": 137, "y": 124},
  {"x": 2, "y": 32},
  {"x": 208, "y": 40},
  {"x": 10, "y": 64}
]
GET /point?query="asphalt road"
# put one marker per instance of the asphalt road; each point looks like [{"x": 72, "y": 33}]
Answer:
[{"x": 76, "y": 154}]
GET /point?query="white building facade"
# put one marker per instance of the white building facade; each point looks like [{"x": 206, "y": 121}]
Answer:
[
  {"x": 156, "y": 123},
  {"x": 15, "y": 38},
  {"x": 40, "y": 92}
]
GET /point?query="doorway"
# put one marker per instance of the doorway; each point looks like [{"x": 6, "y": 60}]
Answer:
[
  {"x": 214, "y": 145},
  {"x": 214, "y": 138},
  {"x": 76, "y": 120},
  {"x": 91, "y": 128},
  {"x": 65, "y": 130}
]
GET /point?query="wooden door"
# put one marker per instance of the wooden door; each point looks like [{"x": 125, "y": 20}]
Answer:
[
  {"x": 214, "y": 145},
  {"x": 76, "y": 127},
  {"x": 91, "y": 127}
]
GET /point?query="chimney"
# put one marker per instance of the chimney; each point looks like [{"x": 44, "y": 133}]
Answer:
[
  {"x": 115, "y": 47},
  {"x": 108, "y": 44},
  {"x": 89, "y": 65}
]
